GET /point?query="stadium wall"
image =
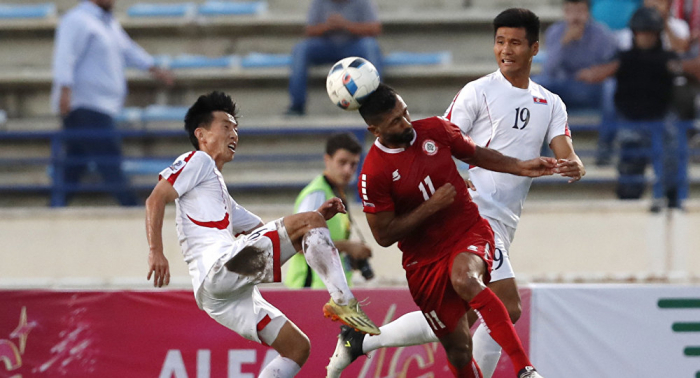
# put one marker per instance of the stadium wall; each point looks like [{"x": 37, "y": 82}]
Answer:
[
  {"x": 555, "y": 242},
  {"x": 572, "y": 331}
]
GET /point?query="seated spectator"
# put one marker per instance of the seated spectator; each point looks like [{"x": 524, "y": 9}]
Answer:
[
  {"x": 336, "y": 29},
  {"x": 572, "y": 46}
]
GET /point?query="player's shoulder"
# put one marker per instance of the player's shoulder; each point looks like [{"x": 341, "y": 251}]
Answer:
[
  {"x": 194, "y": 158},
  {"x": 481, "y": 84},
  {"x": 541, "y": 92}
]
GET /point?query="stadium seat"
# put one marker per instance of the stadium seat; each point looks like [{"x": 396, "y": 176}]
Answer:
[
  {"x": 403, "y": 58},
  {"x": 16, "y": 11},
  {"x": 162, "y": 10},
  {"x": 154, "y": 113},
  {"x": 260, "y": 60},
  {"x": 229, "y": 8},
  {"x": 129, "y": 115},
  {"x": 196, "y": 61}
]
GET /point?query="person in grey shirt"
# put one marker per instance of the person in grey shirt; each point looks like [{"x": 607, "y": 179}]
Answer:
[
  {"x": 336, "y": 29},
  {"x": 91, "y": 54}
]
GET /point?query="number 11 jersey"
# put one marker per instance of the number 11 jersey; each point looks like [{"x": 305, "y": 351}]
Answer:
[{"x": 400, "y": 180}]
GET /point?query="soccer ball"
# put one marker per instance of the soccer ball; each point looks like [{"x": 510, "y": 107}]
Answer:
[{"x": 350, "y": 81}]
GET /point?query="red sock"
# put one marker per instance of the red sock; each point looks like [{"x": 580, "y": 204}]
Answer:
[
  {"x": 470, "y": 371},
  {"x": 495, "y": 317}
]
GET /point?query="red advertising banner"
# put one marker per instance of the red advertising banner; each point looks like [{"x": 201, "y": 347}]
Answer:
[{"x": 162, "y": 334}]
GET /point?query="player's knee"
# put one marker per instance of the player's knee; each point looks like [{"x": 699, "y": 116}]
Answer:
[
  {"x": 459, "y": 356},
  {"x": 468, "y": 286},
  {"x": 313, "y": 219}
]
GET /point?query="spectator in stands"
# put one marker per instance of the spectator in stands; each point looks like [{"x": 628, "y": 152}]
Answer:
[
  {"x": 645, "y": 76},
  {"x": 336, "y": 29},
  {"x": 91, "y": 53},
  {"x": 572, "y": 47},
  {"x": 675, "y": 35},
  {"x": 343, "y": 152}
]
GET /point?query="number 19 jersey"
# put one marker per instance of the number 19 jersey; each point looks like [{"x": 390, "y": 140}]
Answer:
[
  {"x": 513, "y": 121},
  {"x": 400, "y": 180}
]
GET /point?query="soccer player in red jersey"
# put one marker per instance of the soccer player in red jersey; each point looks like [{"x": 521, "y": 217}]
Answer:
[{"x": 413, "y": 194}]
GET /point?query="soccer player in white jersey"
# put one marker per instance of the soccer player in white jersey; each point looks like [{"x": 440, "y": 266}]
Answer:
[
  {"x": 225, "y": 270},
  {"x": 507, "y": 112}
]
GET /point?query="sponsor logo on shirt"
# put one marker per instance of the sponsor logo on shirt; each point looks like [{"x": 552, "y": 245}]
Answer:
[
  {"x": 396, "y": 176},
  {"x": 539, "y": 100},
  {"x": 429, "y": 147}
]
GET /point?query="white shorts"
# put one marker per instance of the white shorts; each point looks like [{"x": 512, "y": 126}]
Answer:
[
  {"x": 503, "y": 235},
  {"x": 233, "y": 299}
]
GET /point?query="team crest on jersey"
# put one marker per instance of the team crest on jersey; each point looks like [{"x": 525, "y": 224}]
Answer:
[{"x": 429, "y": 147}]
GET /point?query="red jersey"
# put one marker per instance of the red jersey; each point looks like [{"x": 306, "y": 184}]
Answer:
[{"x": 400, "y": 180}]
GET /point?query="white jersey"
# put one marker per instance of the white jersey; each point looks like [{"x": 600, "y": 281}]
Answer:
[
  {"x": 513, "y": 121},
  {"x": 207, "y": 217}
]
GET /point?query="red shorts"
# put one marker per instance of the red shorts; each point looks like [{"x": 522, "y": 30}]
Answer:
[{"x": 431, "y": 286}]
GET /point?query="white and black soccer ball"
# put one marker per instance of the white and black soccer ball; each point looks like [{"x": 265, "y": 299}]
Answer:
[{"x": 350, "y": 81}]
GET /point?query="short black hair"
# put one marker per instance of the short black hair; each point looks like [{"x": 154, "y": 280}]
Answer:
[
  {"x": 519, "y": 18},
  {"x": 587, "y": 2},
  {"x": 200, "y": 114},
  {"x": 343, "y": 141},
  {"x": 379, "y": 102}
]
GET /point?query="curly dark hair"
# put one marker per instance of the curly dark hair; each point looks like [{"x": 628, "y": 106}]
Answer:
[{"x": 378, "y": 103}]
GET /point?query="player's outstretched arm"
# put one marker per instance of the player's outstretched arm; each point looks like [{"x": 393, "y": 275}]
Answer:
[
  {"x": 568, "y": 163},
  {"x": 158, "y": 265},
  {"x": 387, "y": 228},
  {"x": 495, "y": 161}
]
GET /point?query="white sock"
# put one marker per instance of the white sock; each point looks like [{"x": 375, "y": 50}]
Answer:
[
  {"x": 323, "y": 258},
  {"x": 486, "y": 352},
  {"x": 409, "y": 329},
  {"x": 280, "y": 367}
]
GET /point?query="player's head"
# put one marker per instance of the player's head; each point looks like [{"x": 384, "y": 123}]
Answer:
[
  {"x": 516, "y": 35},
  {"x": 386, "y": 116},
  {"x": 577, "y": 12},
  {"x": 342, "y": 158},
  {"x": 212, "y": 126},
  {"x": 647, "y": 24}
]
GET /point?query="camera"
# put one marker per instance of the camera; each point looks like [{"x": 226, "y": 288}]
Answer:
[{"x": 363, "y": 266}]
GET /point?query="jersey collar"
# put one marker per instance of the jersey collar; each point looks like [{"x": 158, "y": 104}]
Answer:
[{"x": 394, "y": 150}]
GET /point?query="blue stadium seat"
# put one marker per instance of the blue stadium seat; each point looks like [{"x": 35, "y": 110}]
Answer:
[
  {"x": 196, "y": 61},
  {"x": 229, "y": 8},
  {"x": 129, "y": 115},
  {"x": 163, "y": 113},
  {"x": 260, "y": 60},
  {"x": 162, "y": 10},
  {"x": 403, "y": 58},
  {"x": 16, "y": 11}
]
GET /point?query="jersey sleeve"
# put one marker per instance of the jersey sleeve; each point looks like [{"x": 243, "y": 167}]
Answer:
[
  {"x": 559, "y": 123},
  {"x": 462, "y": 145},
  {"x": 375, "y": 192},
  {"x": 464, "y": 109},
  {"x": 188, "y": 171},
  {"x": 242, "y": 220}
]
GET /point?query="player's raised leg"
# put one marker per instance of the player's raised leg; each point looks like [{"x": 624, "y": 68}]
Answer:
[
  {"x": 309, "y": 233},
  {"x": 293, "y": 347}
]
